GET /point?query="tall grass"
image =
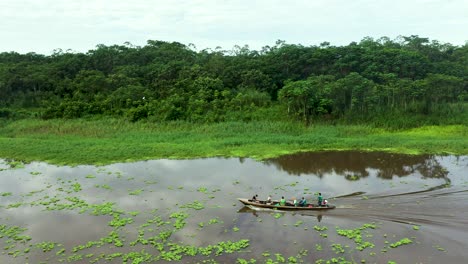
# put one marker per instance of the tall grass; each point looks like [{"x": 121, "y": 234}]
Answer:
[
  {"x": 80, "y": 141},
  {"x": 446, "y": 114}
]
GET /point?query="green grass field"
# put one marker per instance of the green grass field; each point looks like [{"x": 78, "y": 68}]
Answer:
[{"x": 105, "y": 141}]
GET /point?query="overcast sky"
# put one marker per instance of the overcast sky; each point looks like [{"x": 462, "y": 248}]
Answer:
[{"x": 44, "y": 25}]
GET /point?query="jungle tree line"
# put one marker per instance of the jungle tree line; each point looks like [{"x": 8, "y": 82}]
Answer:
[{"x": 172, "y": 81}]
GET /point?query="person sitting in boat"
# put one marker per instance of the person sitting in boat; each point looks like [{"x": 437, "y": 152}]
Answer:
[
  {"x": 254, "y": 198},
  {"x": 302, "y": 202},
  {"x": 320, "y": 199},
  {"x": 282, "y": 201},
  {"x": 268, "y": 201},
  {"x": 295, "y": 203},
  {"x": 325, "y": 202}
]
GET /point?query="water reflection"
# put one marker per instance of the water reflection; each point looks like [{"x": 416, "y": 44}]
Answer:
[
  {"x": 256, "y": 212},
  {"x": 354, "y": 165}
]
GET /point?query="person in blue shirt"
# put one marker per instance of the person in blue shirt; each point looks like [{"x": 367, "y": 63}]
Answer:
[{"x": 302, "y": 202}]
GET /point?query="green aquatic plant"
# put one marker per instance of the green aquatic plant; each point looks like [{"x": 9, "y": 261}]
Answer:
[
  {"x": 356, "y": 235},
  {"x": 244, "y": 261},
  {"x": 14, "y": 205},
  {"x": 320, "y": 228},
  {"x": 352, "y": 177},
  {"x": 280, "y": 258},
  {"x": 340, "y": 260},
  {"x": 298, "y": 223},
  {"x": 103, "y": 186},
  {"x": 213, "y": 221},
  {"x": 147, "y": 182},
  {"x": 337, "y": 248},
  {"x": 403, "y": 241},
  {"x": 440, "y": 248},
  {"x": 15, "y": 164},
  {"x": 318, "y": 247},
  {"x": 76, "y": 187},
  {"x": 364, "y": 245},
  {"x": 75, "y": 257},
  {"x": 180, "y": 219},
  {"x": 195, "y": 205},
  {"x": 119, "y": 222},
  {"x": 46, "y": 246},
  {"x": 6, "y": 194},
  {"x": 14, "y": 233},
  {"x": 61, "y": 252},
  {"x": 277, "y": 215},
  {"x": 105, "y": 208},
  {"x": 135, "y": 192},
  {"x": 135, "y": 213},
  {"x": 202, "y": 190}
]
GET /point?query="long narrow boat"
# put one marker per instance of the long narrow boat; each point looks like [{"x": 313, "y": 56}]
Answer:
[{"x": 274, "y": 205}]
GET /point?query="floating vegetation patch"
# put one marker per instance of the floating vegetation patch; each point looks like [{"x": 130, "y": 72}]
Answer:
[
  {"x": 194, "y": 205},
  {"x": 14, "y": 164},
  {"x": 320, "y": 228},
  {"x": 103, "y": 186},
  {"x": 298, "y": 223},
  {"x": 340, "y": 260},
  {"x": 135, "y": 192},
  {"x": 277, "y": 215},
  {"x": 352, "y": 177},
  {"x": 403, "y": 241},
  {"x": 356, "y": 235}
]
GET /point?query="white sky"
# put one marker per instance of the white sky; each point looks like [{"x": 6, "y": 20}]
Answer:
[{"x": 44, "y": 25}]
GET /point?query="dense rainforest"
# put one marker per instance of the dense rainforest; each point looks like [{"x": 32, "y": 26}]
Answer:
[{"x": 408, "y": 81}]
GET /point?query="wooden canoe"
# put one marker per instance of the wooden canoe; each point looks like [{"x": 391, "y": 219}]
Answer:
[{"x": 289, "y": 207}]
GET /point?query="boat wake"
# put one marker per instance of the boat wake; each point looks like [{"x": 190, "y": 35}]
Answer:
[{"x": 259, "y": 209}]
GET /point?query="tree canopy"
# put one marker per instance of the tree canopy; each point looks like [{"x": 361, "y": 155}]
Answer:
[{"x": 173, "y": 81}]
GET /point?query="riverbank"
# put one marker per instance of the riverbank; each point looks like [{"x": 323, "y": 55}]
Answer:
[{"x": 106, "y": 141}]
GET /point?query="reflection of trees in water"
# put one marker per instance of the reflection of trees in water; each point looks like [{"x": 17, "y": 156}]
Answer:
[{"x": 354, "y": 164}]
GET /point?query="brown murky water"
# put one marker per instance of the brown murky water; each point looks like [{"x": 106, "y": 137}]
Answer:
[{"x": 421, "y": 198}]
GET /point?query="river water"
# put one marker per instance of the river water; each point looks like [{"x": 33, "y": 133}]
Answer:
[{"x": 381, "y": 199}]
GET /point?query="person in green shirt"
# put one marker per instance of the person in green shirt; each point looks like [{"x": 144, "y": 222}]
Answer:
[
  {"x": 282, "y": 201},
  {"x": 320, "y": 199}
]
